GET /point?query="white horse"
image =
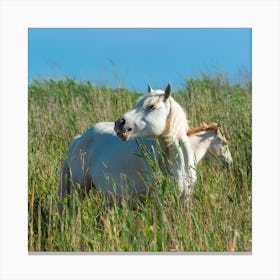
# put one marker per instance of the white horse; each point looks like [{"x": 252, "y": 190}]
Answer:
[
  {"x": 158, "y": 115},
  {"x": 99, "y": 158}
]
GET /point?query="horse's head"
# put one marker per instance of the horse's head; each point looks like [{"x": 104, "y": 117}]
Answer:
[
  {"x": 219, "y": 149},
  {"x": 147, "y": 118}
]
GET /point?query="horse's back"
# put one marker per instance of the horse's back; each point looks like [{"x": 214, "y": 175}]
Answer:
[
  {"x": 80, "y": 153},
  {"x": 94, "y": 158},
  {"x": 115, "y": 165}
]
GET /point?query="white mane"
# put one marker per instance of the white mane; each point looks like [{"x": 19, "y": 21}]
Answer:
[{"x": 177, "y": 124}]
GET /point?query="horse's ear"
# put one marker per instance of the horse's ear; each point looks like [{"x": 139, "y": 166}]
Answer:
[
  {"x": 149, "y": 88},
  {"x": 219, "y": 129},
  {"x": 167, "y": 91}
]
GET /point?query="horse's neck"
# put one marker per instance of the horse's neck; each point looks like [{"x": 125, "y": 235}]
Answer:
[
  {"x": 200, "y": 143},
  {"x": 180, "y": 162},
  {"x": 176, "y": 145}
]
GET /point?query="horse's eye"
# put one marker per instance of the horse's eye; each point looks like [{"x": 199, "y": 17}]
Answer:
[{"x": 152, "y": 107}]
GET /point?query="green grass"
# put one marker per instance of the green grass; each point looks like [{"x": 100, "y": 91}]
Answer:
[{"x": 219, "y": 216}]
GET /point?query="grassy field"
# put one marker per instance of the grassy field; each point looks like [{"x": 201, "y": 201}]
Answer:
[{"x": 219, "y": 217}]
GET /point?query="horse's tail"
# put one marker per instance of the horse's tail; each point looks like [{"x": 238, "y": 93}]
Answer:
[
  {"x": 64, "y": 188},
  {"x": 64, "y": 184}
]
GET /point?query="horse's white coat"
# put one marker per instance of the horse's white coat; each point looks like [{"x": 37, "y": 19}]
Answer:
[{"x": 89, "y": 162}]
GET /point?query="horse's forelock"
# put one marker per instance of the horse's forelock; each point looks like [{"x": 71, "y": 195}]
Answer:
[
  {"x": 148, "y": 99},
  {"x": 153, "y": 99},
  {"x": 156, "y": 92}
]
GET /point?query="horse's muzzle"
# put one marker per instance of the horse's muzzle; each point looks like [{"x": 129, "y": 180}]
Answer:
[{"x": 122, "y": 130}]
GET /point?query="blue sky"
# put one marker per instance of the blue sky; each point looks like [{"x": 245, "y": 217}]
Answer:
[{"x": 134, "y": 57}]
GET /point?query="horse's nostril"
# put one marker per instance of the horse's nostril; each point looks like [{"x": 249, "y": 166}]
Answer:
[{"x": 120, "y": 122}]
